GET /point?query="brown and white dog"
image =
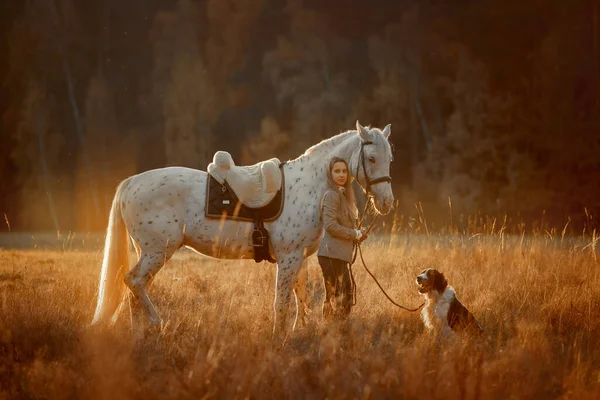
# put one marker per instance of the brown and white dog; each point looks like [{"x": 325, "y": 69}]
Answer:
[{"x": 443, "y": 313}]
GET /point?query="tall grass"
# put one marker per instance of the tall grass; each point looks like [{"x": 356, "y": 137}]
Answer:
[{"x": 537, "y": 297}]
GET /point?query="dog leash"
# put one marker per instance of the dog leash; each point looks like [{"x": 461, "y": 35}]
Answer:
[
  {"x": 358, "y": 250},
  {"x": 380, "y": 287}
]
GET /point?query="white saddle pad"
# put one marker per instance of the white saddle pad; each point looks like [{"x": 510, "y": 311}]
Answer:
[{"x": 254, "y": 185}]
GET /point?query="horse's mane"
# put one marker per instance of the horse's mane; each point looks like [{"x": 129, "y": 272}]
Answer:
[
  {"x": 325, "y": 145},
  {"x": 330, "y": 142}
]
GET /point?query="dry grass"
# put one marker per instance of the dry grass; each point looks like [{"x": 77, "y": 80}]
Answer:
[{"x": 538, "y": 300}]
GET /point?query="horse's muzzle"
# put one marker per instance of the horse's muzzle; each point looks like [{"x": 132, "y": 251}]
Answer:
[{"x": 384, "y": 206}]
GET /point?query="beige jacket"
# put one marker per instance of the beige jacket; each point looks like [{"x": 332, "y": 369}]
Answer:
[{"x": 340, "y": 229}]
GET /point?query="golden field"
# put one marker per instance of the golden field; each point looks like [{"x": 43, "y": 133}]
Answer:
[{"x": 536, "y": 296}]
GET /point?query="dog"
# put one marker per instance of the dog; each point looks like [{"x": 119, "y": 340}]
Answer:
[{"x": 443, "y": 313}]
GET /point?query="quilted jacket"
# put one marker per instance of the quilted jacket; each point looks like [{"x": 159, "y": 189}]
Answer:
[{"x": 340, "y": 228}]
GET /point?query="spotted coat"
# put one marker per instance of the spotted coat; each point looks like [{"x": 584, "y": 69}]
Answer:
[{"x": 162, "y": 210}]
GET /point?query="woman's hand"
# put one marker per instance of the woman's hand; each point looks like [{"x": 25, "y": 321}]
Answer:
[
  {"x": 364, "y": 235},
  {"x": 361, "y": 235}
]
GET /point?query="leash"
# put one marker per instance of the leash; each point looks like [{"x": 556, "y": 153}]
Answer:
[
  {"x": 380, "y": 287},
  {"x": 358, "y": 250}
]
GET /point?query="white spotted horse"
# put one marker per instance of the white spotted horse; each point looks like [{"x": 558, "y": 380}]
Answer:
[{"x": 163, "y": 210}]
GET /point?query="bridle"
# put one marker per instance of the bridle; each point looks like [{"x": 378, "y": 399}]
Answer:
[{"x": 368, "y": 181}]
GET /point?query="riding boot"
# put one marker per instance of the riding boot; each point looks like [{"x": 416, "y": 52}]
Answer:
[
  {"x": 343, "y": 291},
  {"x": 346, "y": 292},
  {"x": 329, "y": 280}
]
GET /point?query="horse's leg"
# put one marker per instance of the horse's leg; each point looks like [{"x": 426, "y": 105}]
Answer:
[
  {"x": 301, "y": 294},
  {"x": 136, "y": 316},
  {"x": 137, "y": 280},
  {"x": 138, "y": 319},
  {"x": 288, "y": 268}
]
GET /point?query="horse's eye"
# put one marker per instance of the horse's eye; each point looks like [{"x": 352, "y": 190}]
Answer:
[{"x": 372, "y": 159}]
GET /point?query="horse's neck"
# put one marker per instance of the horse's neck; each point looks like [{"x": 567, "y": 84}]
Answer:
[
  {"x": 315, "y": 161},
  {"x": 343, "y": 145}
]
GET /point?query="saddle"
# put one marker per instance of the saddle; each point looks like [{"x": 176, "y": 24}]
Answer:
[
  {"x": 254, "y": 185},
  {"x": 252, "y": 193}
]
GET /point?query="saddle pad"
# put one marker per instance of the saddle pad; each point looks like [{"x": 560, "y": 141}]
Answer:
[{"x": 221, "y": 202}]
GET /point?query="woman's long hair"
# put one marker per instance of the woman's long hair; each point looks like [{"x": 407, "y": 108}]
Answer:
[{"x": 348, "y": 200}]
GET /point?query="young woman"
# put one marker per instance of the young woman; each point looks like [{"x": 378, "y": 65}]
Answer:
[{"x": 339, "y": 215}]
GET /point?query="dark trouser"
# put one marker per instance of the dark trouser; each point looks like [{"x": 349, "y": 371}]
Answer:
[{"x": 338, "y": 288}]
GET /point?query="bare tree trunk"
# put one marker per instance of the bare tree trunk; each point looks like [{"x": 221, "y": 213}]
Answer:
[
  {"x": 105, "y": 72},
  {"x": 414, "y": 70},
  {"x": 595, "y": 32},
  {"x": 414, "y": 137},
  {"x": 73, "y": 103},
  {"x": 423, "y": 121},
  {"x": 44, "y": 164}
]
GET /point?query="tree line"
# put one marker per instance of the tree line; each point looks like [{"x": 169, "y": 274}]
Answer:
[{"x": 495, "y": 106}]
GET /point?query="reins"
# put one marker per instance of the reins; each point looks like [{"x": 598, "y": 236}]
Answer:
[
  {"x": 358, "y": 250},
  {"x": 380, "y": 287}
]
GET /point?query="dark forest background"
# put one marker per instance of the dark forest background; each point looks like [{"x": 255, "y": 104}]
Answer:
[{"x": 494, "y": 104}]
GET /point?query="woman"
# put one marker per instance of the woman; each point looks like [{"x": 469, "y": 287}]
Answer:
[{"x": 339, "y": 216}]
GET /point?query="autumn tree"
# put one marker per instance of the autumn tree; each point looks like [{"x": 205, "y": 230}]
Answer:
[
  {"x": 193, "y": 72},
  {"x": 37, "y": 156},
  {"x": 105, "y": 150},
  {"x": 468, "y": 162},
  {"x": 182, "y": 86},
  {"x": 34, "y": 73},
  {"x": 560, "y": 102},
  {"x": 402, "y": 90},
  {"x": 307, "y": 69},
  {"x": 270, "y": 142}
]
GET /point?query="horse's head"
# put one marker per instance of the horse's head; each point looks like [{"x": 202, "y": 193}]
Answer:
[{"x": 372, "y": 161}]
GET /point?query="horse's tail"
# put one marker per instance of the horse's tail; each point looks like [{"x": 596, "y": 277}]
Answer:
[{"x": 115, "y": 262}]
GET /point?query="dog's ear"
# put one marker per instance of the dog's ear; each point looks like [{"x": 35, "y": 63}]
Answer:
[{"x": 440, "y": 283}]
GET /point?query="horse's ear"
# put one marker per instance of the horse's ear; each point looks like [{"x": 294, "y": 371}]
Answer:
[
  {"x": 362, "y": 131},
  {"x": 387, "y": 130}
]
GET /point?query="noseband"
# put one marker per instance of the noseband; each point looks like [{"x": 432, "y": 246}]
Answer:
[{"x": 368, "y": 181}]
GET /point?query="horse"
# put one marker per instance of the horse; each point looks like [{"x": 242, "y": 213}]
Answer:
[{"x": 162, "y": 210}]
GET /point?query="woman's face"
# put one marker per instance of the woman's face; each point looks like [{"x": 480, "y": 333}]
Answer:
[{"x": 339, "y": 173}]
